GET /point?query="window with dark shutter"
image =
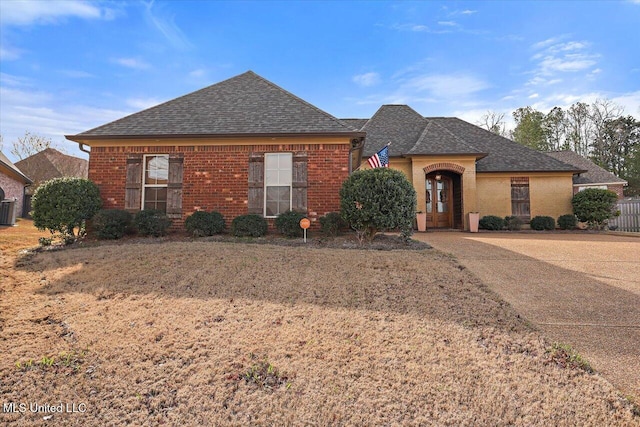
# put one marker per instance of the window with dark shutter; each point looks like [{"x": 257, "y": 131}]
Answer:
[{"x": 520, "y": 200}]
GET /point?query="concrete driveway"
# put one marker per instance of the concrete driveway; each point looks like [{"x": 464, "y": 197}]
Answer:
[{"x": 579, "y": 289}]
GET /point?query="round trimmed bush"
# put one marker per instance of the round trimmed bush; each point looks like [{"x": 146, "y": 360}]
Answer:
[
  {"x": 567, "y": 222},
  {"x": 378, "y": 199},
  {"x": 111, "y": 223},
  {"x": 542, "y": 223},
  {"x": 203, "y": 223},
  {"x": 594, "y": 206},
  {"x": 288, "y": 223},
  {"x": 151, "y": 222},
  {"x": 332, "y": 223},
  {"x": 64, "y": 204},
  {"x": 491, "y": 222},
  {"x": 513, "y": 223},
  {"x": 250, "y": 225}
]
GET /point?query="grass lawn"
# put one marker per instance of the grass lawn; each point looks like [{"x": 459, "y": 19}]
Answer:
[{"x": 214, "y": 333}]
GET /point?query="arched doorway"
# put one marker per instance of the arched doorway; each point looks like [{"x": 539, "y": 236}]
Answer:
[
  {"x": 443, "y": 195},
  {"x": 439, "y": 201}
]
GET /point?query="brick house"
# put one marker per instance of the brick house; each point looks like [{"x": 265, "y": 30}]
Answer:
[
  {"x": 245, "y": 145},
  {"x": 240, "y": 146},
  {"x": 593, "y": 176},
  {"x": 12, "y": 183}
]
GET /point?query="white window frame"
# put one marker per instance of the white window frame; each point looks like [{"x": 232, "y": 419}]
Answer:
[
  {"x": 144, "y": 176},
  {"x": 278, "y": 184}
]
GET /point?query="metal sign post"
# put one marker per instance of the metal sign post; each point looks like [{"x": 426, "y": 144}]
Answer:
[{"x": 304, "y": 224}]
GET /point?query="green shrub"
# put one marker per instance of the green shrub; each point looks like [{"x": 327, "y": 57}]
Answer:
[
  {"x": 378, "y": 199},
  {"x": 594, "y": 206},
  {"x": 111, "y": 223},
  {"x": 332, "y": 223},
  {"x": 203, "y": 223},
  {"x": 151, "y": 222},
  {"x": 288, "y": 223},
  {"x": 513, "y": 223},
  {"x": 567, "y": 222},
  {"x": 249, "y": 225},
  {"x": 491, "y": 222},
  {"x": 64, "y": 204},
  {"x": 543, "y": 223}
]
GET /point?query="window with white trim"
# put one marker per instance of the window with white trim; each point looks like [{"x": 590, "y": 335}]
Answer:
[
  {"x": 155, "y": 180},
  {"x": 278, "y": 168}
]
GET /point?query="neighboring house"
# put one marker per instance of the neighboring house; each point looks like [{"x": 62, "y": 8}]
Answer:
[
  {"x": 48, "y": 164},
  {"x": 593, "y": 176},
  {"x": 246, "y": 145},
  {"x": 12, "y": 183},
  {"x": 458, "y": 168}
]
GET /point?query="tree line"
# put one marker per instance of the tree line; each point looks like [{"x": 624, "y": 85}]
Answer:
[{"x": 598, "y": 131}]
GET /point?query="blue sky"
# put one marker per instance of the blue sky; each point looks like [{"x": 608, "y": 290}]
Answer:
[{"x": 68, "y": 66}]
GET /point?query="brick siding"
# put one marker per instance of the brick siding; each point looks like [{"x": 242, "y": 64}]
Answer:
[{"x": 216, "y": 177}]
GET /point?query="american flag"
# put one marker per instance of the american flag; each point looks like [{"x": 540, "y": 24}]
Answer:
[{"x": 380, "y": 159}]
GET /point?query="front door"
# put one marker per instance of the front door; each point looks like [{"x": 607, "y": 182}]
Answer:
[{"x": 439, "y": 201}]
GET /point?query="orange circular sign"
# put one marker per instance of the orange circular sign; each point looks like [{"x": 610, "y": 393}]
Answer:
[{"x": 305, "y": 223}]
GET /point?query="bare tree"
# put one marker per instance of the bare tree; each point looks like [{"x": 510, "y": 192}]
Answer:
[
  {"x": 29, "y": 144},
  {"x": 493, "y": 122}
]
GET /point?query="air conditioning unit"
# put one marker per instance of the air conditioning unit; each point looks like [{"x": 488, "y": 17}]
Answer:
[{"x": 8, "y": 211}]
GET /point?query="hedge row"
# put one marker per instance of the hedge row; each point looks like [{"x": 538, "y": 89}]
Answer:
[
  {"x": 492, "y": 222},
  {"x": 115, "y": 223}
]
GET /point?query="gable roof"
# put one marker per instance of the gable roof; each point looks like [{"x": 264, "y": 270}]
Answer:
[
  {"x": 10, "y": 169},
  {"x": 594, "y": 174},
  {"x": 411, "y": 134},
  {"x": 246, "y": 104},
  {"x": 51, "y": 163}
]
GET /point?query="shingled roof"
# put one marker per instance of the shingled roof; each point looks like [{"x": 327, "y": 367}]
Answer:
[
  {"x": 10, "y": 169},
  {"x": 51, "y": 163},
  {"x": 594, "y": 174},
  {"x": 411, "y": 134},
  {"x": 243, "y": 105}
]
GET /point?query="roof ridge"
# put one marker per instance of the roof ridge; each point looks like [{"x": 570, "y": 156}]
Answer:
[
  {"x": 456, "y": 137},
  {"x": 291, "y": 95},
  {"x": 169, "y": 101}
]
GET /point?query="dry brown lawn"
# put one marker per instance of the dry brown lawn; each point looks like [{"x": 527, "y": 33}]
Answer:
[{"x": 214, "y": 333}]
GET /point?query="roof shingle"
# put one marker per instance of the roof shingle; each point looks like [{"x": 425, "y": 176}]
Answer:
[
  {"x": 594, "y": 174},
  {"x": 245, "y": 104}
]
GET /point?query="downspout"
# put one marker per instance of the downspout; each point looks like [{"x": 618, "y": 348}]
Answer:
[{"x": 81, "y": 146}]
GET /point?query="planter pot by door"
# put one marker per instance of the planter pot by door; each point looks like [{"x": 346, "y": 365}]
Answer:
[
  {"x": 421, "y": 219},
  {"x": 474, "y": 219}
]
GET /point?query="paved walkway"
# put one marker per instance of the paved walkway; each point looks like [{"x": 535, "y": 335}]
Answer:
[{"x": 579, "y": 289}]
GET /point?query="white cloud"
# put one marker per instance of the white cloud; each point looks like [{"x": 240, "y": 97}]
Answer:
[
  {"x": 76, "y": 74},
  {"x": 448, "y": 23},
  {"x": 27, "y": 12},
  {"x": 366, "y": 79},
  {"x": 136, "y": 64},
  {"x": 534, "y": 96},
  {"x": 142, "y": 103},
  {"x": 200, "y": 72},
  {"x": 447, "y": 86},
  {"x": 569, "y": 63},
  {"x": 8, "y": 53},
  {"x": 468, "y": 12},
  {"x": 166, "y": 25}
]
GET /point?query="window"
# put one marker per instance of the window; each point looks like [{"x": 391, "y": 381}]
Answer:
[
  {"x": 155, "y": 179},
  {"x": 277, "y": 183},
  {"x": 520, "y": 202}
]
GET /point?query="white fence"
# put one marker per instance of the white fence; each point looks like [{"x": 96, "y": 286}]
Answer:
[{"x": 629, "y": 219}]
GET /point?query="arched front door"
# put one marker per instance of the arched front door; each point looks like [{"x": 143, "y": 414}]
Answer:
[{"x": 439, "y": 201}]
